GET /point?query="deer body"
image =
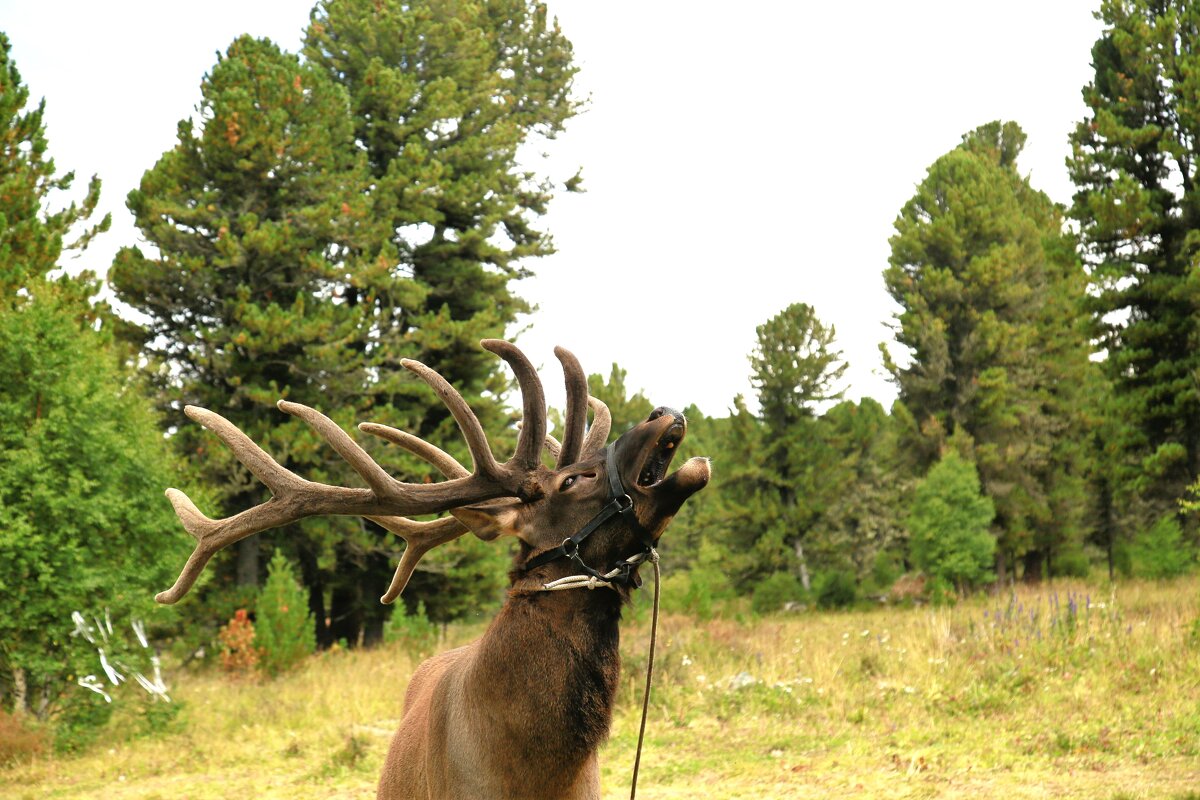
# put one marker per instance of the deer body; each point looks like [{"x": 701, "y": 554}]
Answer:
[{"x": 521, "y": 712}]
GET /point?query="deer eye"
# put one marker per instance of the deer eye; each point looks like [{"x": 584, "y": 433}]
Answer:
[{"x": 568, "y": 482}]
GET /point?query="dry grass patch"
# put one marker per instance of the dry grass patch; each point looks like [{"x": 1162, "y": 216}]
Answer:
[{"x": 999, "y": 697}]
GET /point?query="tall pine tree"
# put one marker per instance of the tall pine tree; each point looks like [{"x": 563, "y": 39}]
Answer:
[
  {"x": 1134, "y": 164},
  {"x": 991, "y": 313},
  {"x": 256, "y": 214}
]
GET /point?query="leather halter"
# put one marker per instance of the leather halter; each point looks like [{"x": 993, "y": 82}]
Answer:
[{"x": 619, "y": 503}]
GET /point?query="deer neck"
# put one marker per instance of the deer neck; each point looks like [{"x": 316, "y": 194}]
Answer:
[{"x": 549, "y": 664}]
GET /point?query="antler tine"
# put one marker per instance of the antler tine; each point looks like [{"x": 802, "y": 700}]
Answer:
[
  {"x": 468, "y": 423},
  {"x": 382, "y": 484},
  {"x": 446, "y": 464},
  {"x": 533, "y": 429},
  {"x": 576, "y": 418},
  {"x": 421, "y": 538},
  {"x": 552, "y": 445},
  {"x": 597, "y": 437}
]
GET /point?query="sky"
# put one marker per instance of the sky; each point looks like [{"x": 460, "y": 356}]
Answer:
[{"x": 737, "y": 158}]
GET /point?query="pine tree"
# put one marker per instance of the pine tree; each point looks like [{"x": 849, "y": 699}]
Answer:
[
  {"x": 443, "y": 95},
  {"x": 284, "y": 632},
  {"x": 252, "y": 294},
  {"x": 1134, "y": 164},
  {"x": 794, "y": 369},
  {"x": 31, "y": 239},
  {"x": 992, "y": 316}
]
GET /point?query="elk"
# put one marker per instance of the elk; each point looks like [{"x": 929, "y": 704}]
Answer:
[{"x": 522, "y": 711}]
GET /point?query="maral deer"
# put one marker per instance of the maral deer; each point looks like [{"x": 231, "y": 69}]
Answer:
[{"x": 521, "y": 712}]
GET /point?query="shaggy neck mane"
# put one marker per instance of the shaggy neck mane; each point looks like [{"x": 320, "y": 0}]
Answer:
[{"x": 550, "y": 663}]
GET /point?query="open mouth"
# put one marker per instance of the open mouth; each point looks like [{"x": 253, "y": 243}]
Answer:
[{"x": 655, "y": 467}]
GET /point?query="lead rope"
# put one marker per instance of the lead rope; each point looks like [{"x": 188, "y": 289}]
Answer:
[{"x": 637, "y": 761}]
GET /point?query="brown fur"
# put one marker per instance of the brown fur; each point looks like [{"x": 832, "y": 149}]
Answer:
[
  {"x": 522, "y": 712},
  {"x": 519, "y": 713}
]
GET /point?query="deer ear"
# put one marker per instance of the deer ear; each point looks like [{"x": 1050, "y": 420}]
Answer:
[{"x": 490, "y": 520}]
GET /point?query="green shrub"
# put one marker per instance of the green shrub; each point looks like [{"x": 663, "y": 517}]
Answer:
[
  {"x": 948, "y": 524},
  {"x": 414, "y": 630},
  {"x": 1071, "y": 563},
  {"x": 80, "y": 722},
  {"x": 835, "y": 589},
  {"x": 284, "y": 630},
  {"x": 774, "y": 591},
  {"x": 1161, "y": 551},
  {"x": 697, "y": 591}
]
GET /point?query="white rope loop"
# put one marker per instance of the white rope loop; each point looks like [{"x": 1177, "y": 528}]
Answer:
[{"x": 591, "y": 581}]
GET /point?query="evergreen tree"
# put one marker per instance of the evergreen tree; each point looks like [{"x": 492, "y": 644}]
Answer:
[
  {"x": 794, "y": 369},
  {"x": 1134, "y": 164},
  {"x": 284, "y": 632},
  {"x": 32, "y": 239},
  {"x": 991, "y": 296},
  {"x": 256, "y": 214},
  {"x": 442, "y": 96},
  {"x": 862, "y": 522},
  {"x": 948, "y": 525},
  {"x": 627, "y": 410}
]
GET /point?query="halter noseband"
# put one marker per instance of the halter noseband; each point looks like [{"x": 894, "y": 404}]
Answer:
[{"x": 619, "y": 503}]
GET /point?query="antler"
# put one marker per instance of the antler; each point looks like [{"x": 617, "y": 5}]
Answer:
[{"x": 385, "y": 500}]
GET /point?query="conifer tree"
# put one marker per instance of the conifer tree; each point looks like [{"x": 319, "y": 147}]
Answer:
[
  {"x": 1134, "y": 164},
  {"x": 442, "y": 96},
  {"x": 794, "y": 369},
  {"x": 32, "y": 239},
  {"x": 991, "y": 296},
  {"x": 252, "y": 294}
]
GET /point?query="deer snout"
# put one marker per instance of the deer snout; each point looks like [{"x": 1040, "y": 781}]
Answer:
[{"x": 663, "y": 411}]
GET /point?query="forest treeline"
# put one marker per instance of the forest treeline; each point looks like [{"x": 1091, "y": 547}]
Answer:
[{"x": 329, "y": 212}]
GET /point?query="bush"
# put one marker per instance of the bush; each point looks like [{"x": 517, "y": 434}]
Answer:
[
  {"x": 80, "y": 722},
  {"x": 239, "y": 656},
  {"x": 949, "y": 522},
  {"x": 1161, "y": 551},
  {"x": 696, "y": 591},
  {"x": 19, "y": 741},
  {"x": 284, "y": 630},
  {"x": 414, "y": 631},
  {"x": 775, "y": 591},
  {"x": 835, "y": 589}
]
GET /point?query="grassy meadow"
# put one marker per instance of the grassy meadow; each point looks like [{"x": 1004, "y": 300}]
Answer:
[{"x": 1067, "y": 690}]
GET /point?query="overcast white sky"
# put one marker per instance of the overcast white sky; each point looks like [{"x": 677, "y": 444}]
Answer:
[{"x": 738, "y": 157}]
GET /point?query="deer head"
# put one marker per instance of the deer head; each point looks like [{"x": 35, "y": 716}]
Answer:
[
  {"x": 627, "y": 479},
  {"x": 540, "y": 506}
]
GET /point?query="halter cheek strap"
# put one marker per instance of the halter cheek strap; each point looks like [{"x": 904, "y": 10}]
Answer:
[{"x": 620, "y": 503}]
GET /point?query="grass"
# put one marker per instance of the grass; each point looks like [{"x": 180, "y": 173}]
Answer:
[{"x": 1055, "y": 692}]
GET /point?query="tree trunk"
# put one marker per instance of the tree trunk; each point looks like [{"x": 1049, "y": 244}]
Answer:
[
  {"x": 20, "y": 692},
  {"x": 1035, "y": 562},
  {"x": 346, "y": 613},
  {"x": 1001, "y": 567},
  {"x": 247, "y": 562},
  {"x": 804, "y": 579}
]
